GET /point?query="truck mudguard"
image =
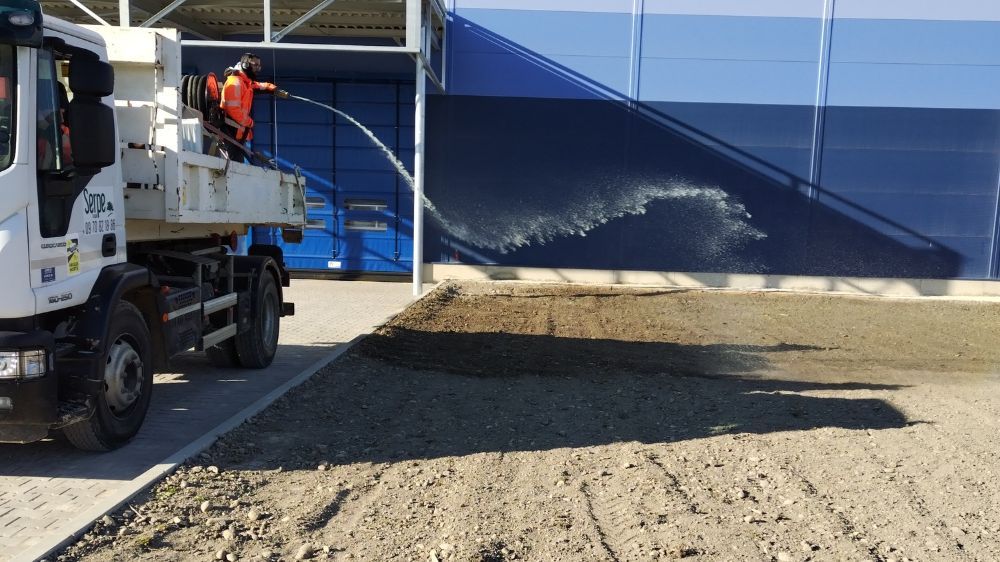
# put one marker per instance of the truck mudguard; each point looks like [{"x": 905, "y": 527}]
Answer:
[
  {"x": 275, "y": 253},
  {"x": 113, "y": 282}
]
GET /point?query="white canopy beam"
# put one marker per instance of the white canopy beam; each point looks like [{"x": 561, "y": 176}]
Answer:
[
  {"x": 162, "y": 13},
  {"x": 90, "y": 12},
  {"x": 298, "y": 46},
  {"x": 305, "y": 17},
  {"x": 182, "y": 22}
]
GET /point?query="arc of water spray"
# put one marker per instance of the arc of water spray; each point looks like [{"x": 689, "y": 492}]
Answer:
[
  {"x": 385, "y": 150},
  {"x": 577, "y": 217}
]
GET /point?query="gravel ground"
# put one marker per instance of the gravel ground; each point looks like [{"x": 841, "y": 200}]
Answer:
[{"x": 500, "y": 421}]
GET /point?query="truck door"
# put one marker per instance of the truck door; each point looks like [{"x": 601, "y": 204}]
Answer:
[{"x": 78, "y": 226}]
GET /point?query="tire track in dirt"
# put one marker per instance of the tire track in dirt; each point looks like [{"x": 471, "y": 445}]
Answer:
[
  {"x": 822, "y": 503},
  {"x": 936, "y": 442},
  {"x": 628, "y": 507},
  {"x": 870, "y": 480},
  {"x": 348, "y": 499},
  {"x": 848, "y": 527},
  {"x": 602, "y": 536}
]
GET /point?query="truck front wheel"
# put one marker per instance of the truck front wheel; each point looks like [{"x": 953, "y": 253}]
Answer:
[
  {"x": 128, "y": 384},
  {"x": 257, "y": 345}
]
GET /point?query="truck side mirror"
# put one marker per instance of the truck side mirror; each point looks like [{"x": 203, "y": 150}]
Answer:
[
  {"x": 91, "y": 77},
  {"x": 92, "y": 134}
]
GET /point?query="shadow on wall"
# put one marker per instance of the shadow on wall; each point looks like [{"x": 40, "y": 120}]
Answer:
[
  {"x": 519, "y": 180},
  {"x": 485, "y": 393}
]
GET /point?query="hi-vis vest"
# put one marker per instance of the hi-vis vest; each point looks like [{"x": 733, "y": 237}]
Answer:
[{"x": 237, "y": 99}]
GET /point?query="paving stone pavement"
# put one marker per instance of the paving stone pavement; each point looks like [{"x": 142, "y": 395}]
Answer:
[{"x": 44, "y": 486}]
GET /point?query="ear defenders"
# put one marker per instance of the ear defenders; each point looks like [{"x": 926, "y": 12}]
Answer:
[
  {"x": 246, "y": 61},
  {"x": 247, "y": 64}
]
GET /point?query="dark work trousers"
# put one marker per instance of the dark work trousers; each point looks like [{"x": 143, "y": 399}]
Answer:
[{"x": 236, "y": 152}]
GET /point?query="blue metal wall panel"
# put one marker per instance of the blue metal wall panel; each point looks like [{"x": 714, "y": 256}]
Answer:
[
  {"x": 917, "y": 42},
  {"x": 931, "y": 172},
  {"x": 722, "y": 81},
  {"x": 342, "y": 167},
  {"x": 516, "y": 53},
  {"x": 546, "y": 32},
  {"x": 507, "y": 175},
  {"x": 921, "y": 64},
  {"x": 591, "y": 6},
  {"x": 363, "y": 173},
  {"x": 912, "y": 85},
  {"x": 919, "y": 10},
  {"x": 521, "y": 76},
  {"x": 943, "y": 172},
  {"x": 731, "y": 38},
  {"x": 780, "y": 136},
  {"x": 757, "y": 8},
  {"x": 727, "y": 97},
  {"x": 932, "y": 215},
  {"x": 722, "y": 59}
]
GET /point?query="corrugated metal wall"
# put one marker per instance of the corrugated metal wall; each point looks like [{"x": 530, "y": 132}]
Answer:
[
  {"x": 841, "y": 137},
  {"x": 360, "y": 211}
]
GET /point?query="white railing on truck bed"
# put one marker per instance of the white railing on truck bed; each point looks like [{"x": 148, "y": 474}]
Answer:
[{"x": 172, "y": 189}]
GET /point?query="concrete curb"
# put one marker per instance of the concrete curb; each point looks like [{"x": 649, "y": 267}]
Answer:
[
  {"x": 80, "y": 524},
  {"x": 869, "y": 286}
]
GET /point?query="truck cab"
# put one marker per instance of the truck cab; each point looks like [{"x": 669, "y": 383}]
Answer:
[{"x": 87, "y": 314}]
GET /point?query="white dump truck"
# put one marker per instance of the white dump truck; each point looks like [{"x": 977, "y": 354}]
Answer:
[{"x": 118, "y": 229}]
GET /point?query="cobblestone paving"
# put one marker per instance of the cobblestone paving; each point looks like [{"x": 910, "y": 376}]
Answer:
[{"x": 44, "y": 485}]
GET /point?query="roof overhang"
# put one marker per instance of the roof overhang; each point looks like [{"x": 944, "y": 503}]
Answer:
[{"x": 415, "y": 28}]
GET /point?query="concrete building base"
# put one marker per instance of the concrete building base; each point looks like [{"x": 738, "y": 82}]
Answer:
[{"x": 953, "y": 288}]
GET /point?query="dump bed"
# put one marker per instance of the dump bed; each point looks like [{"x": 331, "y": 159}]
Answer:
[{"x": 173, "y": 188}]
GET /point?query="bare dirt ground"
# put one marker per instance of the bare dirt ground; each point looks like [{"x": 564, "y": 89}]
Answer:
[{"x": 554, "y": 422}]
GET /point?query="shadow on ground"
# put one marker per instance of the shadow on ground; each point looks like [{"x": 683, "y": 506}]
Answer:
[
  {"x": 405, "y": 394},
  {"x": 185, "y": 405}
]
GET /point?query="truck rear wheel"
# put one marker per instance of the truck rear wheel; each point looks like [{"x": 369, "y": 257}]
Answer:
[
  {"x": 256, "y": 347},
  {"x": 128, "y": 384}
]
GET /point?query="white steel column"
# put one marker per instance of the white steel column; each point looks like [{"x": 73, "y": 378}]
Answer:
[
  {"x": 124, "y": 17},
  {"x": 416, "y": 38},
  {"x": 413, "y": 22},
  {"x": 418, "y": 181},
  {"x": 267, "y": 21}
]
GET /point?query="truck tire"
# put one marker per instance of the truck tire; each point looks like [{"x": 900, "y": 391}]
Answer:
[
  {"x": 128, "y": 384},
  {"x": 256, "y": 347}
]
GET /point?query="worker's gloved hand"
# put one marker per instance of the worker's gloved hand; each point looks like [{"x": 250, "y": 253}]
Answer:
[{"x": 283, "y": 94}]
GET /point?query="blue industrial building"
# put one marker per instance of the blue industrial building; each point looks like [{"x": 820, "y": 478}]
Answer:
[
  {"x": 861, "y": 137},
  {"x": 792, "y": 137}
]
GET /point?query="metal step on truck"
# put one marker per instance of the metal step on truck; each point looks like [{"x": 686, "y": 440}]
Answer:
[{"x": 118, "y": 229}]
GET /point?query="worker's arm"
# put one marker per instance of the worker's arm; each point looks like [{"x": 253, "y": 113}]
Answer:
[{"x": 269, "y": 87}]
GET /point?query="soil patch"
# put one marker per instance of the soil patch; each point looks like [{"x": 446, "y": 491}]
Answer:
[{"x": 502, "y": 421}]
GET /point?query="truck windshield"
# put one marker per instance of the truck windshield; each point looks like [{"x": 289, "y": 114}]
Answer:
[{"x": 6, "y": 105}]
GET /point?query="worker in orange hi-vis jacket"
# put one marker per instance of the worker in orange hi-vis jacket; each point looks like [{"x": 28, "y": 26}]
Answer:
[{"x": 237, "y": 100}]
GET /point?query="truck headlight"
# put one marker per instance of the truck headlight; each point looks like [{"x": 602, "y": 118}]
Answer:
[{"x": 25, "y": 364}]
